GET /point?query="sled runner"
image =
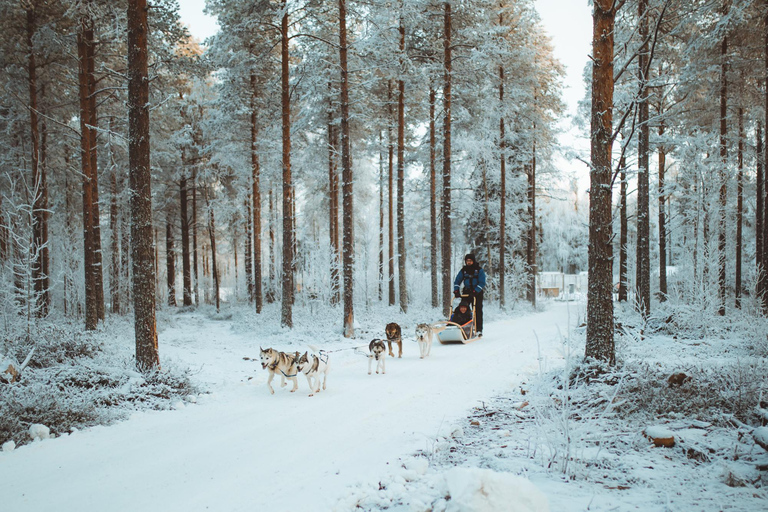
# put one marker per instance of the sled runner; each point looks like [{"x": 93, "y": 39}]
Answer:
[{"x": 452, "y": 332}]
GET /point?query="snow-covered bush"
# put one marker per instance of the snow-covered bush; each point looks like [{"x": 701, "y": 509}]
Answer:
[{"x": 76, "y": 380}]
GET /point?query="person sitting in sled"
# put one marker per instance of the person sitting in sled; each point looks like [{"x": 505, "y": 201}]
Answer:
[
  {"x": 472, "y": 277},
  {"x": 462, "y": 315}
]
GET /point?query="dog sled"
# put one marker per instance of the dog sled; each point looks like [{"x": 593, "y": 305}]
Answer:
[{"x": 449, "y": 332}]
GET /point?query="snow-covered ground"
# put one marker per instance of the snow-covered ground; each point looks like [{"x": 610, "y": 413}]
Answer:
[
  {"x": 455, "y": 424},
  {"x": 240, "y": 448}
]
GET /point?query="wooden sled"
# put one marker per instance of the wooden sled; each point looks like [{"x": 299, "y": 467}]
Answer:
[{"x": 450, "y": 332}]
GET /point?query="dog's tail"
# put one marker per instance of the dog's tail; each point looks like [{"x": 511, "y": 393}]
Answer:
[{"x": 314, "y": 349}]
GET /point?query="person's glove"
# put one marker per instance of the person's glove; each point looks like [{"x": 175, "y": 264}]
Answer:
[{"x": 456, "y": 293}]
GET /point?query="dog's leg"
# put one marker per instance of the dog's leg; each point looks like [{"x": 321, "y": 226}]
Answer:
[
  {"x": 282, "y": 380},
  {"x": 400, "y": 347},
  {"x": 325, "y": 375},
  {"x": 421, "y": 349},
  {"x": 295, "y": 383},
  {"x": 389, "y": 344},
  {"x": 370, "y": 361},
  {"x": 269, "y": 382},
  {"x": 429, "y": 345},
  {"x": 383, "y": 365},
  {"x": 309, "y": 383}
]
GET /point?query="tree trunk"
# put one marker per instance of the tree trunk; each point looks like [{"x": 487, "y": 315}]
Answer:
[
  {"x": 214, "y": 267},
  {"x": 348, "y": 255},
  {"x": 446, "y": 204},
  {"x": 333, "y": 199},
  {"x": 272, "y": 262},
  {"x": 248, "y": 248},
  {"x": 391, "y": 203},
  {"x": 723, "y": 174},
  {"x": 662, "y": 218},
  {"x": 114, "y": 266},
  {"x": 762, "y": 218},
  {"x": 286, "y": 319},
  {"x": 195, "y": 266},
  {"x": 433, "y": 200},
  {"x": 600, "y": 343},
  {"x": 88, "y": 161},
  {"x": 760, "y": 209},
  {"x": 763, "y": 281},
  {"x": 38, "y": 209},
  {"x": 739, "y": 204},
  {"x": 258, "y": 294},
  {"x": 185, "y": 266},
  {"x": 170, "y": 261},
  {"x": 381, "y": 217},
  {"x": 147, "y": 354},
  {"x": 531, "y": 246},
  {"x": 624, "y": 226},
  {"x": 643, "y": 260},
  {"x": 502, "y": 193},
  {"x": 401, "y": 250}
]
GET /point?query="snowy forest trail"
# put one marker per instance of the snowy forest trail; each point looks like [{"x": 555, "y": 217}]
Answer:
[{"x": 240, "y": 448}]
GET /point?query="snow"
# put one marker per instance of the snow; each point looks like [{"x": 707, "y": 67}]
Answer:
[
  {"x": 659, "y": 432},
  {"x": 447, "y": 433},
  {"x": 240, "y": 448}
]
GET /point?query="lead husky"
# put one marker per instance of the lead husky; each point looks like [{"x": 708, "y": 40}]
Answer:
[
  {"x": 424, "y": 337},
  {"x": 377, "y": 350},
  {"x": 276, "y": 361},
  {"x": 312, "y": 365}
]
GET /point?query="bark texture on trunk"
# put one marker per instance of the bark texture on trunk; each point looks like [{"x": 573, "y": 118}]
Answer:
[
  {"x": 391, "y": 202},
  {"x": 502, "y": 194},
  {"x": 170, "y": 261},
  {"x": 531, "y": 239},
  {"x": 145, "y": 325},
  {"x": 348, "y": 253},
  {"x": 248, "y": 248},
  {"x": 739, "y": 204},
  {"x": 333, "y": 198},
  {"x": 600, "y": 341},
  {"x": 433, "y": 263},
  {"x": 258, "y": 292},
  {"x": 662, "y": 219},
  {"x": 721, "y": 236},
  {"x": 401, "y": 251},
  {"x": 446, "y": 203},
  {"x": 286, "y": 319},
  {"x": 623, "y": 227},
  {"x": 643, "y": 258}
]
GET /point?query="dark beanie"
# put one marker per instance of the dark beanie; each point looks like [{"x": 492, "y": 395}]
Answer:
[{"x": 470, "y": 256}]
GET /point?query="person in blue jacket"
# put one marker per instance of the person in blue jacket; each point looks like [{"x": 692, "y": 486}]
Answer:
[{"x": 472, "y": 278}]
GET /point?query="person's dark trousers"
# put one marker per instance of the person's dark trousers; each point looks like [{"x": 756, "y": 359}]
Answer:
[{"x": 479, "y": 311}]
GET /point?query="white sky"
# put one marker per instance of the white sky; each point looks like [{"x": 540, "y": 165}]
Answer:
[{"x": 200, "y": 25}]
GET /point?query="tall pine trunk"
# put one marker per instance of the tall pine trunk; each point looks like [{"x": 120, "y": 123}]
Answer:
[
  {"x": 433, "y": 264},
  {"x": 381, "y": 216},
  {"x": 721, "y": 237},
  {"x": 763, "y": 280},
  {"x": 186, "y": 276},
  {"x": 643, "y": 258},
  {"x": 502, "y": 192},
  {"x": 195, "y": 265},
  {"x": 114, "y": 265},
  {"x": 760, "y": 221},
  {"x": 147, "y": 354},
  {"x": 391, "y": 203},
  {"x": 248, "y": 249},
  {"x": 170, "y": 261},
  {"x": 662, "y": 216},
  {"x": 739, "y": 205},
  {"x": 531, "y": 239},
  {"x": 600, "y": 342},
  {"x": 623, "y": 228},
  {"x": 214, "y": 267},
  {"x": 348, "y": 256},
  {"x": 401, "y": 251},
  {"x": 258, "y": 293},
  {"x": 446, "y": 203},
  {"x": 286, "y": 319},
  {"x": 333, "y": 198}
]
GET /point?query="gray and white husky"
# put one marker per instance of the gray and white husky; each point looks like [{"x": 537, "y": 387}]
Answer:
[
  {"x": 424, "y": 337},
  {"x": 377, "y": 350},
  {"x": 312, "y": 366},
  {"x": 276, "y": 361}
]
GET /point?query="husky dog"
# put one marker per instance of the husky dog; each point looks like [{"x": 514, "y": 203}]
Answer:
[
  {"x": 377, "y": 351},
  {"x": 394, "y": 335},
  {"x": 424, "y": 337},
  {"x": 281, "y": 362},
  {"x": 312, "y": 365}
]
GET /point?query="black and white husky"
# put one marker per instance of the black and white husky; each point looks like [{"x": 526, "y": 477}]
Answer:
[
  {"x": 377, "y": 350},
  {"x": 276, "y": 361},
  {"x": 424, "y": 337},
  {"x": 312, "y": 366}
]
